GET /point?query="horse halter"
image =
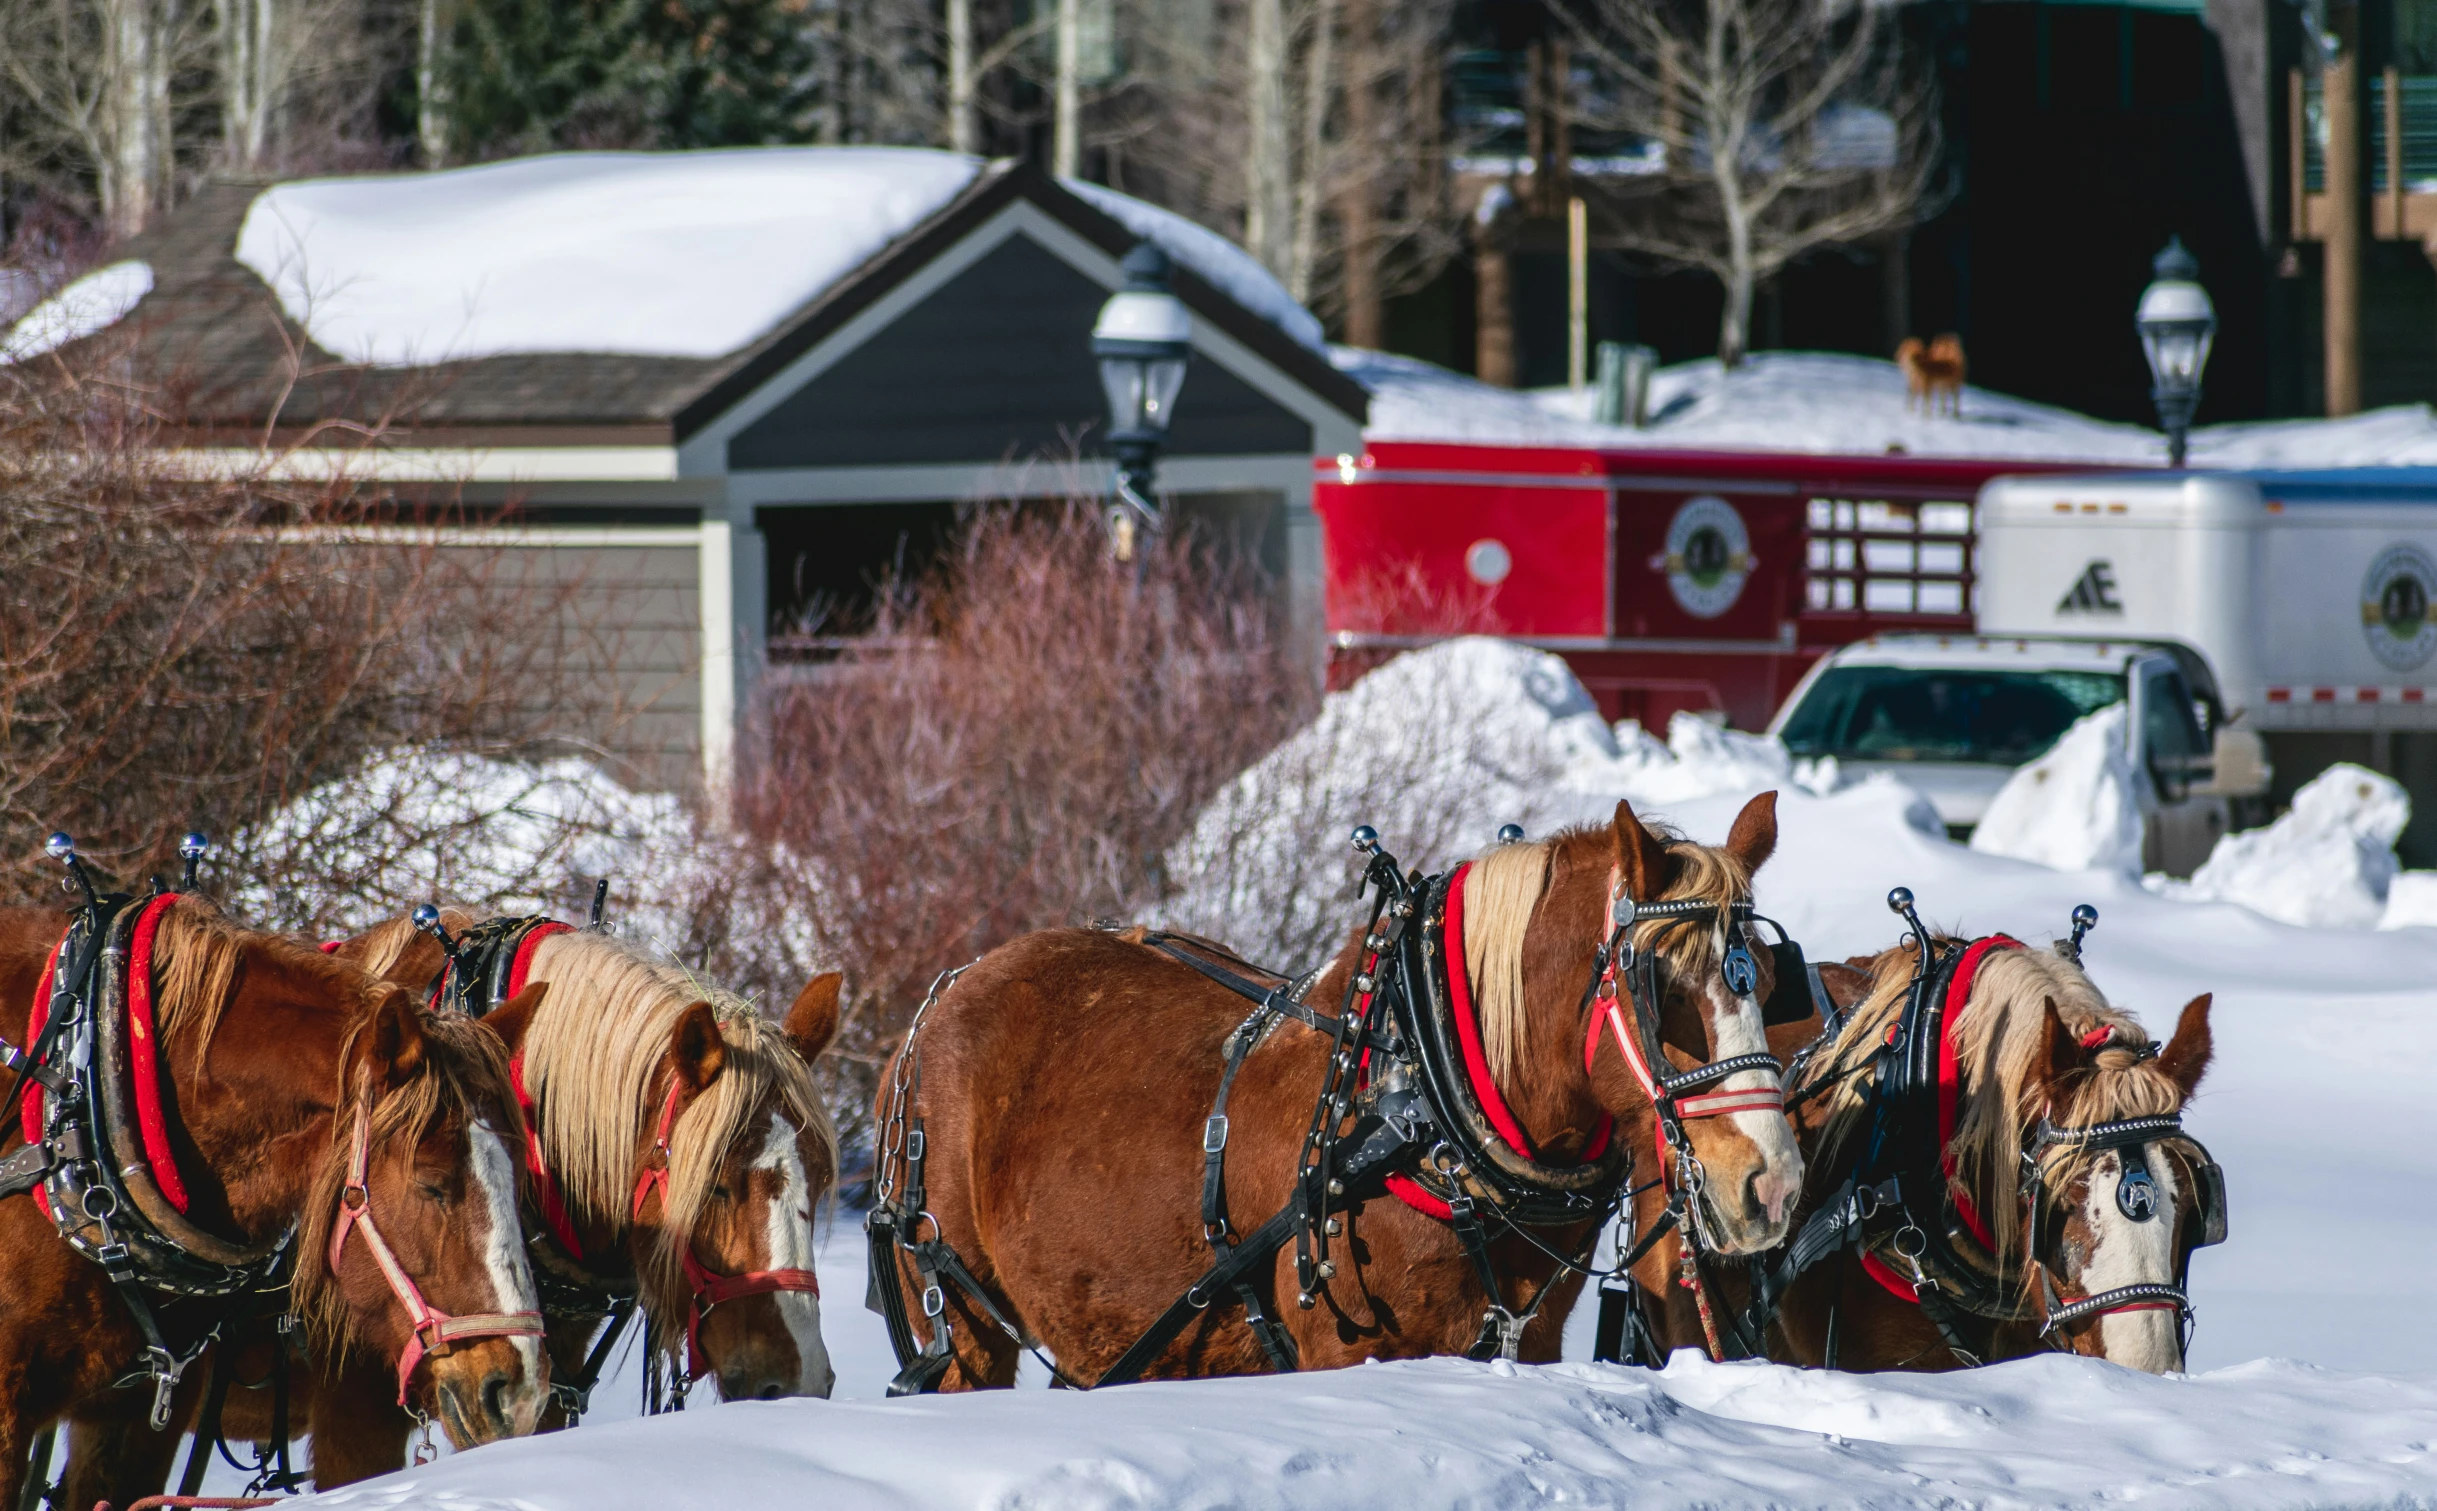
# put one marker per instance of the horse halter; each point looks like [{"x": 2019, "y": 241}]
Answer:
[
  {"x": 2137, "y": 1198},
  {"x": 709, "y": 1287},
  {"x": 431, "y": 1330}
]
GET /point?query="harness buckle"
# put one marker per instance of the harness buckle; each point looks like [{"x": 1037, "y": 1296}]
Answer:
[
  {"x": 914, "y": 1142},
  {"x": 934, "y": 1300},
  {"x": 1214, "y": 1134}
]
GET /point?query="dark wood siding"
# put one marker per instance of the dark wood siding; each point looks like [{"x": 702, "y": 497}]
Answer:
[{"x": 995, "y": 365}]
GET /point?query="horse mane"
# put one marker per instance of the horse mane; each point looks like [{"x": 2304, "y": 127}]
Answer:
[
  {"x": 196, "y": 956},
  {"x": 464, "y": 1070},
  {"x": 2001, "y": 1045},
  {"x": 388, "y": 940},
  {"x": 1502, "y": 893},
  {"x": 596, "y": 1041}
]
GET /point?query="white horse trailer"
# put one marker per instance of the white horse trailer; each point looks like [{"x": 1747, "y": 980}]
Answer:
[{"x": 2312, "y": 594}]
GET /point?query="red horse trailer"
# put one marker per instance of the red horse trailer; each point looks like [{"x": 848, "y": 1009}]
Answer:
[{"x": 1695, "y": 580}]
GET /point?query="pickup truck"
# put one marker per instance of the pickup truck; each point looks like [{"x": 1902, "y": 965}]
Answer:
[{"x": 1955, "y": 715}]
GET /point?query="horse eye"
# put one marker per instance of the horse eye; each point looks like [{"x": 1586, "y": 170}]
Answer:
[
  {"x": 432, "y": 1190},
  {"x": 719, "y": 1192}
]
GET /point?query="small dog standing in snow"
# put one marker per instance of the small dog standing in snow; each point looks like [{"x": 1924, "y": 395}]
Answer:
[{"x": 1933, "y": 374}]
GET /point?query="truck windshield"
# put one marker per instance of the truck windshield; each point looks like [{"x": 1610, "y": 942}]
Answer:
[{"x": 1902, "y": 713}]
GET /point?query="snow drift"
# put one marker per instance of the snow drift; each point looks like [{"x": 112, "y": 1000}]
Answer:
[
  {"x": 2326, "y": 863},
  {"x": 2051, "y": 1431},
  {"x": 93, "y": 303},
  {"x": 2077, "y": 808}
]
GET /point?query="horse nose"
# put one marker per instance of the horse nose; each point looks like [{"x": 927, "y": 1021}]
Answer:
[
  {"x": 481, "y": 1411},
  {"x": 1768, "y": 1192}
]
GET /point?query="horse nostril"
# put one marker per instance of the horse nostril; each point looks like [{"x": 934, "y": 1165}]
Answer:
[
  {"x": 773, "y": 1391},
  {"x": 495, "y": 1397}
]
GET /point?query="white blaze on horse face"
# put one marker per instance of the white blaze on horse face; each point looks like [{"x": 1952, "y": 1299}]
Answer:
[
  {"x": 2124, "y": 1252},
  {"x": 788, "y": 1230},
  {"x": 503, "y": 1250},
  {"x": 1736, "y": 1027}
]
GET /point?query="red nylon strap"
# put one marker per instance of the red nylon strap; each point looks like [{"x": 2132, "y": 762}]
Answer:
[
  {"x": 430, "y": 1330},
  {"x": 545, "y": 1186},
  {"x": 523, "y": 964},
  {"x": 1950, "y": 1072},
  {"x": 143, "y": 1052},
  {"x": 30, "y": 1110},
  {"x": 1476, "y": 1063}
]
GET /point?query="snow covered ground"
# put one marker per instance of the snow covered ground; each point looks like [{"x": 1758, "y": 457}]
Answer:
[{"x": 2316, "y": 1386}]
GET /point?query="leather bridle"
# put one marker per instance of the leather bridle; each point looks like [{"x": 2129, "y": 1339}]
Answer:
[
  {"x": 2130, "y": 1138},
  {"x": 709, "y": 1288},
  {"x": 430, "y": 1330}
]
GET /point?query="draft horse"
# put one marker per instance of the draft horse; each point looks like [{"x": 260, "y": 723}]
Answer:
[
  {"x": 216, "y": 1122},
  {"x": 675, "y": 1148},
  {"x": 1997, "y": 1167},
  {"x": 1074, "y": 1118}
]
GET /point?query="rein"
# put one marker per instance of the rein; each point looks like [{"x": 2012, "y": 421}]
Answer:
[
  {"x": 431, "y": 1331},
  {"x": 708, "y": 1286}
]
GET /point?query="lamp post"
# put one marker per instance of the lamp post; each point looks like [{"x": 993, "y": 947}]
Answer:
[
  {"x": 2177, "y": 323},
  {"x": 1143, "y": 340}
]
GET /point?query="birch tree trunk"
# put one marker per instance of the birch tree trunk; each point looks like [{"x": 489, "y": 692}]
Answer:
[
  {"x": 1357, "y": 211},
  {"x": 134, "y": 106},
  {"x": 964, "y": 111},
  {"x": 434, "y": 19},
  {"x": 1269, "y": 208},
  {"x": 1066, "y": 129},
  {"x": 1314, "y": 161}
]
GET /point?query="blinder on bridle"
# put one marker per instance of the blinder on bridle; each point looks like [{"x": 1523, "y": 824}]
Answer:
[{"x": 2137, "y": 1197}]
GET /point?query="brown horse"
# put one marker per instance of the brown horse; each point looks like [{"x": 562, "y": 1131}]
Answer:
[
  {"x": 1065, "y": 1078},
  {"x": 678, "y": 1150},
  {"x": 2036, "y": 1047},
  {"x": 301, "y": 1095}
]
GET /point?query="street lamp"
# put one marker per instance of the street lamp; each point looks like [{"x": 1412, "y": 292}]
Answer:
[
  {"x": 1143, "y": 339},
  {"x": 2177, "y": 323}
]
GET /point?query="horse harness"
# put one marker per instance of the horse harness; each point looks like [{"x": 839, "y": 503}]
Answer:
[
  {"x": 1406, "y": 1107},
  {"x": 96, "y": 1157},
  {"x": 1897, "y": 1202},
  {"x": 486, "y": 965}
]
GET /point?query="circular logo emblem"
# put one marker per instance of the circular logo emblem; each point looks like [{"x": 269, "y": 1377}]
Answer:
[
  {"x": 2396, "y": 602},
  {"x": 1709, "y": 556},
  {"x": 2136, "y": 1195},
  {"x": 1488, "y": 562}
]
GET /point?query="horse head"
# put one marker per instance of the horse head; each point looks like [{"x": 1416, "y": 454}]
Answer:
[
  {"x": 2113, "y": 1219},
  {"x": 1619, "y": 1022},
  {"x": 412, "y": 1248},
  {"x": 687, "y": 1136}
]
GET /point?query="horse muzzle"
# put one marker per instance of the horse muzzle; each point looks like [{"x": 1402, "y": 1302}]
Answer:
[{"x": 485, "y": 1392}]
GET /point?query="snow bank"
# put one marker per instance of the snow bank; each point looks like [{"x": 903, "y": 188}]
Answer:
[
  {"x": 2411, "y": 901},
  {"x": 1437, "y": 749},
  {"x": 2077, "y": 808},
  {"x": 2326, "y": 863},
  {"x": 663, "y": 254},
  {"x": 90, "y": 305},
  {"x": 2051, "y": 1431},
  {"x": 415, "y": 826}
]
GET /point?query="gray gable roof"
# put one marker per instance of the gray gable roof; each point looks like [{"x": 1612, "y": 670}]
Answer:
[{"x": 212, "y": 337}]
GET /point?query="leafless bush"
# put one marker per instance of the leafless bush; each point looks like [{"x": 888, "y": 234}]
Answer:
[
  {"x": 1023, "y": 736},
  {"x": 187, "y": 645}
]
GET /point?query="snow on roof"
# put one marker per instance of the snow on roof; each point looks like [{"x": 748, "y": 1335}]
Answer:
[
  {"x": 665, "y": 254},
  {"x": 1829, "y": 403},
  {"x": 91, "y": 304},
  {"x": 1220, "y": 262}
]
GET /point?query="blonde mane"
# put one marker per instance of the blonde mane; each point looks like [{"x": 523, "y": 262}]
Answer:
[
  {"x": 596, "y": 1041},
  {"x": 1502, "y": 893},
  {"x": 2001, "y": 1045}
]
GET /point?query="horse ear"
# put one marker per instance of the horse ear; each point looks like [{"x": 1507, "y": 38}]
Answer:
[
  {"x": 813, "y": 1021},
  {"x": 2063, "y": 1053},
  {"x": 696, "y": 1051},
  {"x": 2186, "y": 1056},
  {"x": 392, "y": 1050},
  {"x": 1641, "y": 856},
  {"x": 513, "y": 1017},
  {"x": 1753, "y": 839}
]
